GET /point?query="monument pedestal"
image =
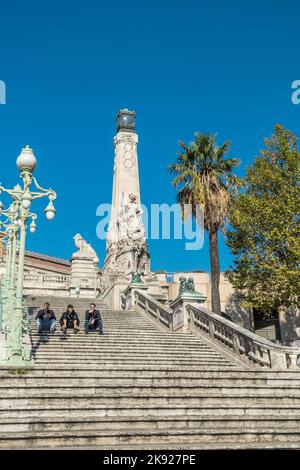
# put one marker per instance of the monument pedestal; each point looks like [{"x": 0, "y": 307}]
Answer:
[
  {"x": 127, "y": 297},
  {"x": 84, "y": 270},
  {"x": 187, "y": 295}
]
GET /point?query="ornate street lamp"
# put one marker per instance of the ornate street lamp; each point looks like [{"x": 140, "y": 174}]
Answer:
[
  {"x": 11, "y": 227},
  {"x": 23, "y": 196}
]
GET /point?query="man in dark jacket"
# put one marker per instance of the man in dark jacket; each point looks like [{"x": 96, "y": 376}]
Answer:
[
  {"x": 45, "y": 319},
  {"x": 69, "y": 319},
  {"x": 93, "y": 320}
]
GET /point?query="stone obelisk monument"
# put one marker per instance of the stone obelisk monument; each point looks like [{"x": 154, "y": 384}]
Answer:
[{"x": 126, "y": 246}]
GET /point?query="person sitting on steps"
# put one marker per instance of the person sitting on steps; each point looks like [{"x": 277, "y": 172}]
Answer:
[
  {"x": 46, "y": 319},
  {"x": 69, "y": 320},
  {"x": 93, "y": 320}
]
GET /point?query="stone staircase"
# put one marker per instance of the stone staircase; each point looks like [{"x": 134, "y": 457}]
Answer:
[{"x": 140, "y": 387}]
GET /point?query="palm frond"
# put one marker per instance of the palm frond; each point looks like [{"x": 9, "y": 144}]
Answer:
[{"x": 205, "y": 177}]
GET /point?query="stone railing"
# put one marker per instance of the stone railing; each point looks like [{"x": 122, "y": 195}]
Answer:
[
  {"x": 46, "y": 280},
  {"x": 147, "y": 305},
  {"x": 242, "y": 343}
]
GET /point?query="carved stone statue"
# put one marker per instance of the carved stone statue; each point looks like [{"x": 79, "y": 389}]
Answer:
[
  {"x": 84, "y": 268},
  {"x": 182, "y": 284},
  {"x": 136, "y": 278},
  {"x": 84, "y": 249},
  {"x": 134, "y": 218},
  {"x": 190, "y": 285},
  {"x": 186, "y": 285},
  {"x": 130, "y": 223}
]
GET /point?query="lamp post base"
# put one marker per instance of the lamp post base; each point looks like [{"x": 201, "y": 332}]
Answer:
[{"x": 16, "y": 363}]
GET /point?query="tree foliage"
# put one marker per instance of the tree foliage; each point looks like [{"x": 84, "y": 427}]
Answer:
[{"x": 265, "y": 227}]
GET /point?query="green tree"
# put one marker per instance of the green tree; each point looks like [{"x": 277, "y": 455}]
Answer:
[
  {"x": 204, "y": 178},
  {"x": 265, "y": 228}
]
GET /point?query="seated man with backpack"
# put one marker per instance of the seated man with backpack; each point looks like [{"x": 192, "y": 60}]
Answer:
[
  {"x": 69, "y": 320},
  {"x": 45, "y": 319},
  {"x": 93, "y": 320}
]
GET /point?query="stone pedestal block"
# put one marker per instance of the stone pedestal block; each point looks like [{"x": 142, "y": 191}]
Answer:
[
  {"x": 181, "y": 321},
  {"x": 84, "y": 269}
]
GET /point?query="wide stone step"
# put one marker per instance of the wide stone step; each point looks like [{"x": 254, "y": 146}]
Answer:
[
  {"x": 38, "y": 424},
  {"x": 225, "y": 445},
  {"x": 113, "y": 346},
  {"x": 70, "y": 411},
  {"x": 55, "y": 353},
  {"x": 94, "y": 338},
  {"x": 126, "y": 329},
  {"x": 102, "y": 349},
  {"x": 114, "y": 339},
  {"x": 99, "y": 363},
  {"x": 136, "y": 380},
  {"x": 140, "y": 437},
  {"x": 141, "y": 399},
  {"x": 191, "y": 368},
  {"x": 139, "y": 370},
  {"x": 170, "y": 391},
  {"x": 121, "y": 333}
]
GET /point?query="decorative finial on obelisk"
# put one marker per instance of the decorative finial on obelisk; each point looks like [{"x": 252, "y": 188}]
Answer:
[{"x": 126, "y": 120}]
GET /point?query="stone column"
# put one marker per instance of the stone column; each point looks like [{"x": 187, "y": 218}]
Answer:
[{"x": 126, "y": 246}]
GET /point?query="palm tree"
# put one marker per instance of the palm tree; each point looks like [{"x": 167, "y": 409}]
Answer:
[{"x": 204, "y": 177}]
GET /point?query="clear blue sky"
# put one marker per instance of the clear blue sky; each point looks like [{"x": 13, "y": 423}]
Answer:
[{"x": 182, "y": 65}]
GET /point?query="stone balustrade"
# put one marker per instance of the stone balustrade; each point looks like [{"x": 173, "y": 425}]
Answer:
[
  {"x": 46, "y": 280},
  {"x": 146, "y": 304},
  {"x": 247, "y": 346},
  {"x": 239, "y": 342}
]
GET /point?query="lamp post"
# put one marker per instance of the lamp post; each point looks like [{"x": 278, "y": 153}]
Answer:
[
  {"x": 10, "y": 233},
  {"x": 23, "y": 196}
]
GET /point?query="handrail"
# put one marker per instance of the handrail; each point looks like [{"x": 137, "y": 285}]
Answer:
[{"x": 248, "y": 346}]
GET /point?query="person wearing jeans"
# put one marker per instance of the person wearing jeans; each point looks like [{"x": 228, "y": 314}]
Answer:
[
  {"x": 46, "y": 319},
  {"x": 69, "y": 319},
  {"x": 93, "y": 320}
]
